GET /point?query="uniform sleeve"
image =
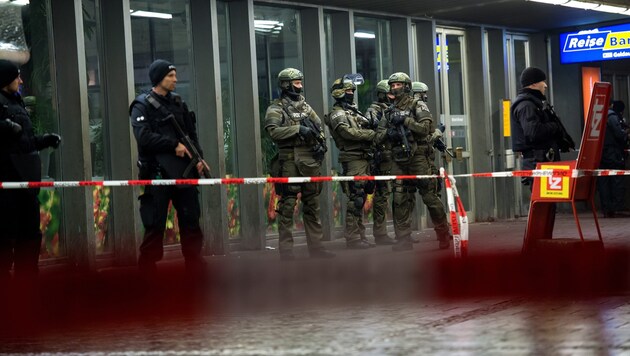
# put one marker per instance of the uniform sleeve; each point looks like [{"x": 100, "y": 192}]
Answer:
[
  {"x": 149, "y": 141},
  {"x": 535, "y": 129},
  {"x": 340, "y": 124},
  {"x": 381, "y": 130},
  {"x": 191, "y": 122},
  {"x": 422, "y": 126},
  {"x": 273, "y": 125}
]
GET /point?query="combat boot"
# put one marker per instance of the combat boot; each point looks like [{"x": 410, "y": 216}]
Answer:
[
  {"x": 445, "y": 240},
  {"x": 403, "y": 244}
]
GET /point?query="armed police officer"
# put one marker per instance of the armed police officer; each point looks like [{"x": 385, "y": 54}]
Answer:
[
  {"x": 20, "y": 235},
  {"x": 354, "y": 138},
  {"x": 537, "y": 132},
  {"x": 382, "y": 166},
  {"x": 162, "y": 154},
  {"x": 297, "y": 131},
  {"x": 409, "y": 127}
]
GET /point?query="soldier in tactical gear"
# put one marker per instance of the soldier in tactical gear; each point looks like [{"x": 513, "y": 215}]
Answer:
[
  {"x": 409, "y": 127},
  {"x": 353, "y": 137},
  {"x": 161, "y": 154},
  {"x": 299, "y": 155},
  {"x": 382, "y": 166},
  {"x": 20, "y": 235}
]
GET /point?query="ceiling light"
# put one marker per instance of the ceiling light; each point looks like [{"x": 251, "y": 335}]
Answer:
[
  {"x": 581, "y": 5},
  {"x": 157, "y": 15},
  {"x": 364, "y": 35},
  {"x": 611, "y": 9},
  {"x": 552, "y": 2},
  {"x": 19, "y": 2},
  {"x": 265, "y": 22}
]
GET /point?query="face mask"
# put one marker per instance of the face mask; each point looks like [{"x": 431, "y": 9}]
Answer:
[
  {"x": 397, "y": 92},
  {"x": 296, "y": 90},
  {"x": 348, "y": 98}
]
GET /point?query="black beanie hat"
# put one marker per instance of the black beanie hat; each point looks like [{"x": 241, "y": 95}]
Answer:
[
  {"x": 618, "y": 106},
  {"x": 8, "y": 72},
  {"x": 158, "y": 70},
  {"x": 532, "y": 75}
]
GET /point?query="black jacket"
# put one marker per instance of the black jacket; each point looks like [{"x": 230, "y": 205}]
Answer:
[
  {"x": 156, "y": 136},
  {"x": 19, "y": 157},
  {"x": 533, "y": 126}
]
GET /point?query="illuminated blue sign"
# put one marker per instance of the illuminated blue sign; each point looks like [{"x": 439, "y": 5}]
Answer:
[{"x": 599, "y": 44}]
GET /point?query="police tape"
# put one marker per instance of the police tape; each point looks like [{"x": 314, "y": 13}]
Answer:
[
  {"x": 458, "y": 217},
  {"x": 573, "y": 173}
]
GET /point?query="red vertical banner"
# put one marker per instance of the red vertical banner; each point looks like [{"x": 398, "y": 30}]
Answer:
[{"x": 590, "y": 75}]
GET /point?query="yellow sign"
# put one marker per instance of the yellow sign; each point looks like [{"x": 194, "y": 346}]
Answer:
[
  {"x": 507, "y": 129},
  {"x": 617, "y": 40},
  {"x": 554, "y": 187}
]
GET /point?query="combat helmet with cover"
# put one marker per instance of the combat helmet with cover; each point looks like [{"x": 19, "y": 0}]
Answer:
[
  {"x": 400, "y": 77},
  {"x": 285, "y": 82}
]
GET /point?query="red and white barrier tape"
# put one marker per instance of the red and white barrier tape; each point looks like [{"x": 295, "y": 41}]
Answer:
[
  {"x": 458, "y": 217},
  {"x": 574, "y": 173}
]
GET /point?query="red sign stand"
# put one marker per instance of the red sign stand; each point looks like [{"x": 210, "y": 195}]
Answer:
[{"x": 547, "y": 191}]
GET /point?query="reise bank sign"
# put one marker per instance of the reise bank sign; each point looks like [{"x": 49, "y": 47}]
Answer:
[{"x": 599, "y": 44}]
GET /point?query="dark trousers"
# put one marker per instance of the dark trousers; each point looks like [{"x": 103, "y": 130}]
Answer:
[
  {"x": 20, "y": 236},
  {"x": 154, "y": 211}
]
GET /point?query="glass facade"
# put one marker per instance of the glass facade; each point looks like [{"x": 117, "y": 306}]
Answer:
[
  {"x": 98, "y": 126},
  {"x": 373, "y": 46},
  {"x": 229, "y": 125}
]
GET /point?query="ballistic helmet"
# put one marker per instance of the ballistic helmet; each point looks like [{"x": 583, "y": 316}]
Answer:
[
  {"x": 419, "y": 87},
  {"x": 339, "y": 87}
]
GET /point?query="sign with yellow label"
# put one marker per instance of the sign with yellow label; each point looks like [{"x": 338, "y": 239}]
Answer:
[{"x": 554, "y": 187}]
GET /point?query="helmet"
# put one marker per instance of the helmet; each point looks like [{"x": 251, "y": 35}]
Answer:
[
  {"x": 287, "y": 75},
  {"x": 339, "y": 87},
  {"x": 382, "y": 86},
  {"x": 399, "y": 77},
  {"x": 419, "y": 87},
  {"x": 285, "y": 82}
]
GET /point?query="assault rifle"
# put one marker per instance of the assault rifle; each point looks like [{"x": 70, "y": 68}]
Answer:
[
  {"x": 191, "y": 147},
  {"x": 440, "y": 145},
  {"x": 566, "y": 142},
  {"x": 402, "y": 133},
  {"x": 184, "y": 139},
  {"x": 320, "y": 149}
]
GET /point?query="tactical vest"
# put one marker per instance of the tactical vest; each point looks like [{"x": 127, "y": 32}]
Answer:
[
  {"x": 340, "y": 116},
  {"x": 292, "y": 116}
]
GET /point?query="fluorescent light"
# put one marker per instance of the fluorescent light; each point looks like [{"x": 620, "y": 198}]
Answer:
[
  {"x": 20, "y": 2},
  {"x": 364, "y": 35},
  {"x": 611, "y": 9},
  {"x": 552, "y": 2},
  {"x": 265, "y": 23},
  {"x": 581, "y": 5},
  {"x": 157, "y": 15}
]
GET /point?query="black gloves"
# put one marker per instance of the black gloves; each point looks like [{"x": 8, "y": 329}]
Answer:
[
  {"x": 306, "y": 133},
  {"x": 392, "y": 134},
  {"x": 51, "y": 140},
  {"x": 397, "y": 118},
  {"x": 13, "y": 126}
]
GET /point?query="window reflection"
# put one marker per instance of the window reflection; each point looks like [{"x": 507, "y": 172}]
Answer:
[{"x": 372, "y": 39}]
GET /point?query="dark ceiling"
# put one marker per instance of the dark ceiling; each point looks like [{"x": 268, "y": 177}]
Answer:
[{"x": 514, "y": 14}]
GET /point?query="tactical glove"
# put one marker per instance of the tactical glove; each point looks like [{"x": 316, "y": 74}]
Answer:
[
  {"x": 434, "y": 136},
  {"x": 51, "y": 140},
  {"x": 392, "y": 134},
  {"x": 397, "y": 118},
  {"x": 306, "y": 133},
  {"x": 13, "y": 126}
]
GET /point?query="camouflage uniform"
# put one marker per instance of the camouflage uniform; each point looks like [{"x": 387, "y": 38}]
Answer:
[
  {"x": 382, "y": 166},
  {"x": 417, "y": 124},
  {"x": 354, "y": 140},
  {"x": 295, "y": 159}
]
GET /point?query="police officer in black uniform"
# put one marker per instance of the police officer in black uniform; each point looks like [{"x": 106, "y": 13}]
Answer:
[
  {"x": 20, "y": 236},
  {"x": 161, "y": 154}
]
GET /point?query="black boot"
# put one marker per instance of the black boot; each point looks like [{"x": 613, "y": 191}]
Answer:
[
  {"x": 357, "y": 244},
  {"x": 384, "y": 240},
  {"x": 444, "y": 239}
]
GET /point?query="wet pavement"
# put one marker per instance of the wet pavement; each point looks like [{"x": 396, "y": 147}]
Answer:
[{"x": 373, "y": 302}]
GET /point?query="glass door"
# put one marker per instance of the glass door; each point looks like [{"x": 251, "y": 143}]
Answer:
[
  {"x": 451, "y": 49},
  {"x": 518, "y": 59}
]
